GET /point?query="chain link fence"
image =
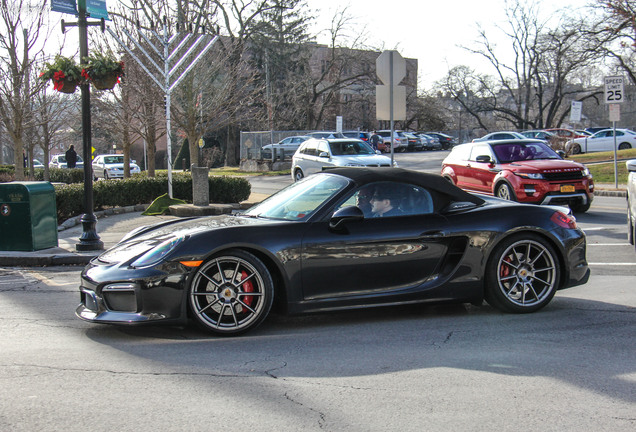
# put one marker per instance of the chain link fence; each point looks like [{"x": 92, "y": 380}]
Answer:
[{"x": 252, "y": 144}]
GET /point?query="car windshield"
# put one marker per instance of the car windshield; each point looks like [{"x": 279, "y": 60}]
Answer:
[
  {"x": 513, "y": 152},
  {"x": 299, "y": 200},
  {"x": 113, "y": 159},
  {"x": 350, "y": 148}
]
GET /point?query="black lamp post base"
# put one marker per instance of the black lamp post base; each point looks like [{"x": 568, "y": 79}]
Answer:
[{"x": 89, "y": 240}]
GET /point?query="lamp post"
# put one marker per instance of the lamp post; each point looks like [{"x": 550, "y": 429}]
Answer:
[{"x": 89, "y": 240}]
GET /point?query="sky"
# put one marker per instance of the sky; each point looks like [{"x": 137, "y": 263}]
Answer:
[{"x": 429, "y": 31}]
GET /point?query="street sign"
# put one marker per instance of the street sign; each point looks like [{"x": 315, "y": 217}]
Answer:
[
  {"x": 614, "y": 89},
  {"x": 65, "y": 6},
  {"x": 383, "y": 102},
  {"x": 387, "y": 60},
  {"x": 575, "y": 111},
  {"x": 614, "y": 113}
]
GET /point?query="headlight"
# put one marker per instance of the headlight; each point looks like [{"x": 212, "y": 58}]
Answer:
[
  {"x": 586, "y": 172},
  {"x": 531, "y": 176},
  {"x": 156, "y": 254}
]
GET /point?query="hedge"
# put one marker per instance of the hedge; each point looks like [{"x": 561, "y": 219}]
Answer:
[{"x": 143, "y": 190}]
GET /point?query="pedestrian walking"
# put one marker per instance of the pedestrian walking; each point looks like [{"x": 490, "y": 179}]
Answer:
[
  {"x": 71, "y": 157},
  {"x": 375, "y": 140}
]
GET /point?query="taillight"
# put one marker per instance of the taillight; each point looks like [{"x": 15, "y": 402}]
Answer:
[{"x": 563, "y": 220}]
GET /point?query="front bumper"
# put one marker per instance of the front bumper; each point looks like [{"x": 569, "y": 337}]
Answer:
[{"x": 109, "y": 295}]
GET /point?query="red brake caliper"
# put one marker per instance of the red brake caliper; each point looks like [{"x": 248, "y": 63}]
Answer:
[
  {"x": 505, "y": 270},
  {"x": 247, "y": 287}
]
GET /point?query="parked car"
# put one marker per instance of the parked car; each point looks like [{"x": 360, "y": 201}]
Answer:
[
  {"x": 316, "y": 154},
  {"x": 310, "y": 248},
  {"x": 364, "y": 136},
  {"x": 503, "y": 135},
  {"x": 326, "y": 134},
  {"x": 562, "y": 136},
  {"x": 527, "y": 171},
  {"x": 284, "y": 148},
  {"x": 414, "y": 142},
  {"x": 400, "y": 142},
  {"x": 549, "y": 138},
  {"x": 37, "y": 164},
  {"x": 430, "y": 142},
  {"x": 59, "y": 161},
  {"x": 446, "y": 141},
  {"x": 602, "y": 141},
  {"x": 111, "y": 166},
  {"x": 593, "y": 130},
  {"x": 568, "y": 133},
  {"x": 631, "y": 201}
]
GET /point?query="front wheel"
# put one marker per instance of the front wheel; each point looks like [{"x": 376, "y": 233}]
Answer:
[
  {"x": 522, "y": 274},
  {"x": 298, "y": 175},
  {"x": 231, "y": 293},
  {"x": 504, "y": 191},
  {"x": 581, "y": 208}
]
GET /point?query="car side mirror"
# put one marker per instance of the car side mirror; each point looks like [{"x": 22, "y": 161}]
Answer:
[
  {"x": 345, "y": 215},
  {"x": 324, "y": 155},
  {"x": 561, "y": 154},
  {"x": 631, "y": 165},
  {"x": 378, "y": 152},
  {"x": 483, "y": 159}
]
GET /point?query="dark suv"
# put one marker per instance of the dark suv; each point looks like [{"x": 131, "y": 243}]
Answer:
[
  {"x": 446, "y": 141},
  {"x": 520, "y": 170}
]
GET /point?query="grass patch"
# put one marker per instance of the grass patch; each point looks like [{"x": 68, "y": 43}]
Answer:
[
  {"x": 604, "y": 172},
  {"x": 603, "y": 156}
]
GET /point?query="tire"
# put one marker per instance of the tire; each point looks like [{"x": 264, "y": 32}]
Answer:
[
  {"x": 624, "y": 146},
  {"x": 504, "y": 191},
  {"x": 231, "y": 293},
  {"x": 522, "y": 274},
  {"x": 576, "y": 149},
  {"x": 298, "y": 175},
  {"x": 581, "y": 208}
]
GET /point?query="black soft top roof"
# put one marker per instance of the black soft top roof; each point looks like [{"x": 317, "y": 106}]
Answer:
[{"x": 362, "y": 176}]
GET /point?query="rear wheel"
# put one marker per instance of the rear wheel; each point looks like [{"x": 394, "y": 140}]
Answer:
[
  {"x": 231, "y": 293},
  {"x": 504, "y": 191},
  {"x": 624, "y": 146},
  {"x": 522, "y": 274},
  {"x": 576, "y": 149}
]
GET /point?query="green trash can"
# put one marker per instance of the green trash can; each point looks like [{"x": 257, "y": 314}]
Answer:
[{"x": 28, "y": 216}]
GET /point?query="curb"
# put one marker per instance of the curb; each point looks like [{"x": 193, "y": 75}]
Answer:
[{"x": 74, "y": 221}]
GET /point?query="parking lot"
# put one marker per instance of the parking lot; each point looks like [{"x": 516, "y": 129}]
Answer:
[{"x": 568, "y": 367}]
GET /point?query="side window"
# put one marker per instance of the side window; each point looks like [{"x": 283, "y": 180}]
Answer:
[
  {"x": 390, "y": 199},
  {"x": 480, "y": 150},
  {"x": 322, "y": 147}
]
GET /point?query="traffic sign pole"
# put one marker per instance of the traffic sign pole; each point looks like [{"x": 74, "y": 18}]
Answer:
[{"x": 614, "y": 92}]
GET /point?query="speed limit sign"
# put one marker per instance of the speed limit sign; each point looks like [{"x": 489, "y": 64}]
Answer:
[{"x": 614, "y": 89}]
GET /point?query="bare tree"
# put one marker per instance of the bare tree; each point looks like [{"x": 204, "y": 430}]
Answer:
[
  {"x": 23, "y": 24},
  {"x": 534, "y": 87}
]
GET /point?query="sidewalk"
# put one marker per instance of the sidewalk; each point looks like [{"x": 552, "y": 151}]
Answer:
[{"x": 113, "y": 224}]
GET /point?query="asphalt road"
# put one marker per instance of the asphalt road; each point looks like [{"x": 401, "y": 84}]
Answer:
[{"x": 569, "y": 367}]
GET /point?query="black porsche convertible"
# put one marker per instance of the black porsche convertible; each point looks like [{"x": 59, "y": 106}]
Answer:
[{"x": 343, "y": 238}]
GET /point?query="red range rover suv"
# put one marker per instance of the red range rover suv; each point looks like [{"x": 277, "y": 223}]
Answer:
[{"x": 520, "y": 170}]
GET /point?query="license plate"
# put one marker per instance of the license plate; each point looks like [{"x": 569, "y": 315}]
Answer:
[{"x": 567, "y": 188}]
